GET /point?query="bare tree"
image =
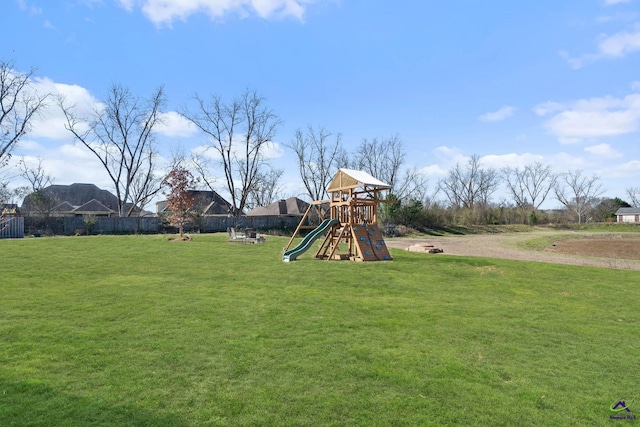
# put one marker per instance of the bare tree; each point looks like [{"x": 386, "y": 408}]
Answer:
[
  {"x": 19, "y": 103},
  {"x": 471, "y": 185},
  {"x": 383, "y": 158},
  {"x": 319, "y": 158},
  {"x": 119, "y": 133},
  {"x": 414, "y": 185},
  {"x": 144, "y": 186},
  {"x": 634, "y": 196},
  {"x": 531, "y": 185},
  {"x": 578, "y": 193},
  {"x": 240, "y": 132},
  {"x": 267, "y": 188}
]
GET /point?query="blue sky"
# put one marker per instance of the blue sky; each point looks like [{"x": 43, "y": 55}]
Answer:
[{"x": 513, "y": 82}]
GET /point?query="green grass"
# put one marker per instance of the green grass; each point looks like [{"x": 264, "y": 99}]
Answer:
[
  {"x": 544, "y": 242},
  {"x": 139, "y": 331},
  {"x": 602, "y": 226},
  {"x": 459, "y": 230}
]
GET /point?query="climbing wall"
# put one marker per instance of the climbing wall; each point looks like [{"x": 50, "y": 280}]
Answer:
[{"x": 370, "y": 243}]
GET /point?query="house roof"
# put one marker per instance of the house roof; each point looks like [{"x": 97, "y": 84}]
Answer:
[
  {"x": 205, "y": 203},
  {"x": 74, "y": 195},
  {"x": 67, "y": 199},
  {"x": 93, "y": 206},
  {"x": 628, "y": 211},
  {"x": 289, "y": 207},
  {"x": 351, "y": 178},
  {"x": 63, "y": 207}
]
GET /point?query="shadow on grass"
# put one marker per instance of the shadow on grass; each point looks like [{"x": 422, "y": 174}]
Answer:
[{"x": 32, "y": 403}]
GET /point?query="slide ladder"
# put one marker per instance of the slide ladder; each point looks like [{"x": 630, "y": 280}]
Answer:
[{"x": 292, "y": 254}]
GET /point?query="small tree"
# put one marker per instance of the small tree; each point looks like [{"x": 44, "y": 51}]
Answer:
[
  {"x": 38, "y": 200},
  {"x": 179, "y": 199}
]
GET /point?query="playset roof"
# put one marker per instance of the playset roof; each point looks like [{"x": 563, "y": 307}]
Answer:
[{"x": 351, "y": 178}]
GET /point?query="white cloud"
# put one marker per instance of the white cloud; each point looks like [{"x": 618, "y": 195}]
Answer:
[
  {"x": 67, "y": 163},
  {"x": 273, "y": 150},
  {"x": 126, "y": 4},
  {"x": 603, "y": 151},
  {"x": 449, "y": 155},
  {"x": 578, "y": 62},
  {"x": 50, "y": 123},
  {"x": 270, "y": 150},
  {"x": 568, "y": 141},
  {"x": 596, "y": 117},
  {"x": 499, "y": 161},
  {"x": 29, "y": 145},
  {"x": 174, "y": 125},
  {"x": 164, "y": 12},
  {"x": 617, "y": 45},
  {"x": 592, "y": 124},
  {"x": 499, "y": 115},
  {"x": 433, "y": 171},
  {"x": 635, "y": 86},
  {"x": 547, "y": 108},
  {"x": 624, "y": 171},
  {"x": 446, "y": 158},
  {"x": 33, "y": 10},
  {"x": 72, "y": 163},
  {"x": 610, "y": 2}
]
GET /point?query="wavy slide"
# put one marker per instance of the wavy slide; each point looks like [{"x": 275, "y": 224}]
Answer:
[{"x": 292, "y": 254}]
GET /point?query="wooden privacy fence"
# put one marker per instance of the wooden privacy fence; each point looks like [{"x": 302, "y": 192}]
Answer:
[
  {"x": 115, "y": 225},
  {"x": 94, "y": 225},
  {"x": 212, "y": 224},
  {"x": 12, "y": 228}
]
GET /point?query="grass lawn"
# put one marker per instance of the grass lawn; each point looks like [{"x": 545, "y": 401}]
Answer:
[{"x": 139, "y": 331}]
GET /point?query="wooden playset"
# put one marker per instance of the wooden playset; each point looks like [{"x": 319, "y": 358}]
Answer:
[{"x": 351, "y": 232}]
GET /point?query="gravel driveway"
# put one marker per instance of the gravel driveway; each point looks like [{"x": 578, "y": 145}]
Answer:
[{"x": 577, "y": 248}]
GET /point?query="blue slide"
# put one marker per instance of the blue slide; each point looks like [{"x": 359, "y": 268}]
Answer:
[{"x": 292, "y": 254}]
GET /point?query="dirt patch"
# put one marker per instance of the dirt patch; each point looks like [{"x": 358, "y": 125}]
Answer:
[
  {"x": 607, "y": 248},
  {"x": 577, "y": 248},
  {"x": 180, "y": 239}
]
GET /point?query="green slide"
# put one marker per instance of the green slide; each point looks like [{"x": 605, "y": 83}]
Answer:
[{"x": 292, "y": 254}]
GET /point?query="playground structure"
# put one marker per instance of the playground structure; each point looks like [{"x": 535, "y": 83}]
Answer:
[{"x": 351, "y": 232}]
